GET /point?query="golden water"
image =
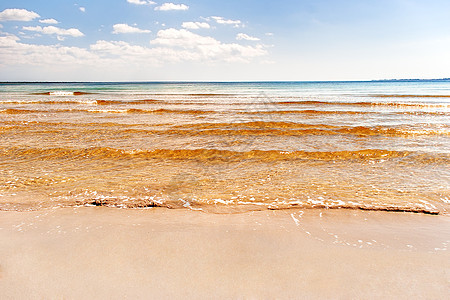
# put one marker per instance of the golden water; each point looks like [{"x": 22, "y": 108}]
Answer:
[{"x": 223, "y": 148}]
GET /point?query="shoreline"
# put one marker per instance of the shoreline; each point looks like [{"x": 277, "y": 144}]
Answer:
[
  {"x": 114, "y": 253},
  {"x": 238, "y": 209}
]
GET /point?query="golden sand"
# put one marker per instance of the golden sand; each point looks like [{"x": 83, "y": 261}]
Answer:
[{"x": 104, "y": 253}]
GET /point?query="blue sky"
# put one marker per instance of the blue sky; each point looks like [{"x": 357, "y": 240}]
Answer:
[{"x": 143, "y": 40}]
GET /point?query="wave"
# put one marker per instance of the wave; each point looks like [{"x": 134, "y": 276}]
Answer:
[
  {"x": 201, "y": 112},
  {"x": 357, "y": 131},
  {"x": 240, "y": 206},
  {"x": 63, "y": 93},
  {"x": 214, "y": 155},
  {"x": 42, "y": 124},
  {"x": 211, "y": 206},
  {"x": 408, "y": 96},
  {"x": 49, "y": 102},
  {"x": 14, "y": 111},
  {"x": 119, "y": 102},
  {"x": 308, "y": 112},
  {"x": 294, "y": 129},
  {"x": 255, "y": 124},
  {"x": 147, "y": 111},
  {"x": 258, "y": 128},
  {"x": 258, "y": 106},
  {"x": 275, "y": 103},
  {"x": 346, "y": 112},
  {"x": 364, "y": 104},
  {"x": 198, "y": 111}
]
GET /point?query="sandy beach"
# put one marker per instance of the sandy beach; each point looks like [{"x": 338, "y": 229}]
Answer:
[
  {"x": 98, "y": 252},
  {"x": 224, "y": 149}
]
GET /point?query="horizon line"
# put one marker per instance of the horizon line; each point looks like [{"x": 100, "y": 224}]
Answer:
[{"x": 246, "y": 81}]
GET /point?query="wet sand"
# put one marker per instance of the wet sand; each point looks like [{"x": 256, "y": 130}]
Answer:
[{"x": 98, "y": 252}]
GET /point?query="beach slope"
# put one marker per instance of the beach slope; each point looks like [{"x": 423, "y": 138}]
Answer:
[{"x": 98, "y": 252}]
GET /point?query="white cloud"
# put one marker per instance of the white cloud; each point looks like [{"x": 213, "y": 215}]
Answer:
[
  {"x": 83, "y": 9},
  {"x": 171, "y": 6},
  {"x": 269, "y": 34},
  {"x": 170, "y": 46},
  {"x": 116, "y": 48},
  {"x": 205, "y": 47},
  {"x": 141, "y": 2},
  {"x": 125, "y": 28},
  {"x": 182, "y": 38},
  {"x": 16, "y": 14},
  {"x": 48, "y": 21},
  {"x": 123, "y": 52},
  {"x": 55, "y": 30},
  {"x": 7, "y": 38},
  {"x": 13, "y": 52},
  {"x": 221, "y": 20},
  {"x": 195, "y": 25},
  {"x": 243, "y": 36},
  {"x": 1, "y": 26},
  {"x": 174, "y": 46}
]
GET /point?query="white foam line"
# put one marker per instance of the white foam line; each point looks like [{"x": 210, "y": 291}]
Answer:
[
  {"x": 250, "y": 203},
  {"x": 297, "y": 222},
  {"x": 61, "y": 93}
]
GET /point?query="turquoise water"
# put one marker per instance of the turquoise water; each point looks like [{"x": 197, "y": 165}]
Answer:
[{"x": 420, "y": 87}]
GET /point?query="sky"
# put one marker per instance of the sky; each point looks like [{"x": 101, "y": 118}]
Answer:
[{"x": 233, "y": 40}]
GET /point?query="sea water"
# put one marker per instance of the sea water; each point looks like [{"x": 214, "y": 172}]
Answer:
[{"x": 227, "y": 147}]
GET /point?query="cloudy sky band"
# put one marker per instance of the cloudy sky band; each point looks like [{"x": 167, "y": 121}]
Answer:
[{"x": 233, "y": 40}]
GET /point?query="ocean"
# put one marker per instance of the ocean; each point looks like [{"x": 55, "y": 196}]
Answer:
[{"x": 226, "y": 147}]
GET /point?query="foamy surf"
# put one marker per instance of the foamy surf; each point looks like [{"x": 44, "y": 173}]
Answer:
[{"x": 61, "y": 93}]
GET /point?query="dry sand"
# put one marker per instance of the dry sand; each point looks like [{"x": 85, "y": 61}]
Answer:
[{"x": 90, "y": 252}]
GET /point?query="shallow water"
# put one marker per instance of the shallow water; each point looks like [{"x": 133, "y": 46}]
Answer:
[{"x": 226, "y": 147}]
